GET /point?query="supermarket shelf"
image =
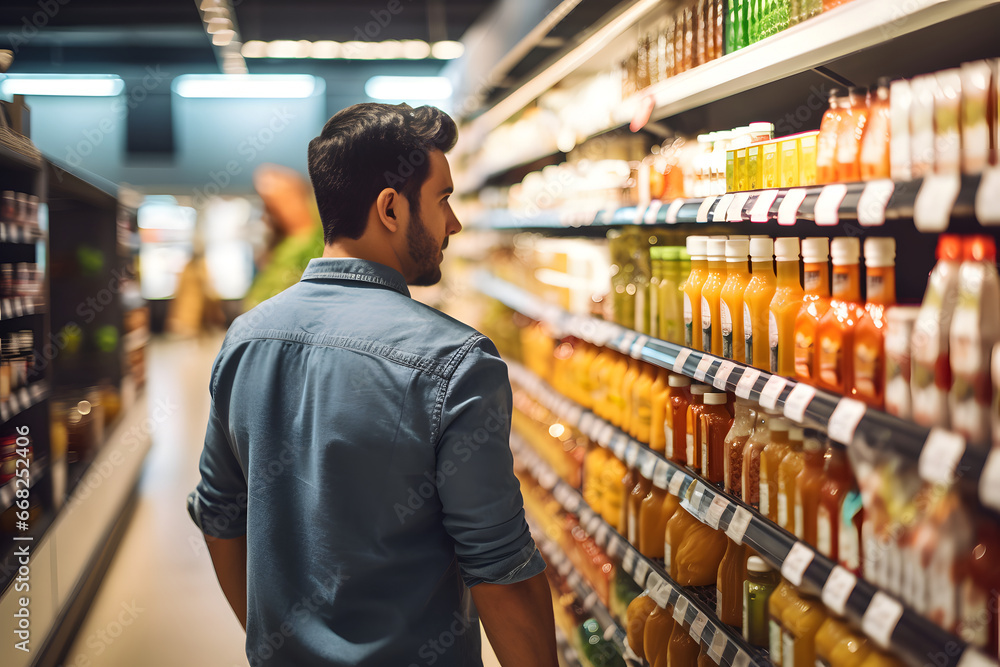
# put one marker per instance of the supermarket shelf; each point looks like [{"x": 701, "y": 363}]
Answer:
[
  {"x": 11, "y": 233},
  {"x": 37, "y": 468},
  {"x": 943, "y": 457},
  {"x": 22, "y": 399},
  {"x": 931, "y": 203},
  {"x": 879, "y": 615},
  {"x": 18, "y": 150},
  {"x": 691, "y": 606},
  {"x": 566, "y": 649},
  {"x": 19, "y": 306}
]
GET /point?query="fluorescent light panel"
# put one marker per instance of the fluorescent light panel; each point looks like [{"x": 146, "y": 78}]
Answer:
[
  {"x": 408, "y": 88},
  {"x": 280, "y": 86},
  {"x": 67, "y": 85},
  {"x": 407, "y": 49}
]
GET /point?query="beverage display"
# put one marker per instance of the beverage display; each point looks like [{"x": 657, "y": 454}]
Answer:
[
  {"x": 738, "y": 275},
  {"x": 868, "y": 383},
  {"x": 785, "y": 307},
  {"x": 757, "y": 589},
  {"x": 835, "y": 331},
  {"x": 757, "y": 302},
  {"x": 697, "y": 247},
  {"x": 711, "y": 297}
]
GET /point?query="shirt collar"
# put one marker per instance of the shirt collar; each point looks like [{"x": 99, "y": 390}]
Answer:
[{"x": 350, "y": 268}]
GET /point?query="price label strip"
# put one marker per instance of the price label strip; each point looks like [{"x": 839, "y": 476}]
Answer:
[
  {"x": 721, "y": 212},
  {"x": 649, "y": 217},
  {"x": 788, "y": 210},
  {"x": 761, "y": 209},
  {"x": 747, "y": 381},
  {"x": 873, "y": 202},
  {"x": 988, "y": 201},
  {"x": 680, "y": 609},
  {"x": 798, "y": 400},
  {"x": 659, "y": 589},
  {"x": 631, "y": 454},
  {"x": 845, "y": 419},
  {"x": 738, "y": 525},
  {"x": 736, "y": 207},
  {"x": 619, "y": 446},
  {"x": 935, "y": 202},
  {"x": 698, "y": 626},
  {"x": 647, "y": 464},
  {"x": 673, "y": 211},
  {"x": 661, "y": 474},
  {"x": 796, "y": 562},
  {"x": 628, "y": 562},
  {"x": 838, "y": 587},
  {"x": 714, "y": 514},
  {"x": 703, "y": 366},
  {"x": 637, "y": 347},
  {"x": 676, "y": 482},
  {"x": 641, "y": 572},
  {"x": 827, "y": 209},
  {"x": 718, "y": 646},
  {"x": 940, "y": 455},
  {"x": 722, "y": 374},
  {"x": 601, "y": 532},
  {"x": 881, "y": 618},
  {"x": 703, "y": 210},
  {"x": 741, "y": 659},
  {"x": 681, "y": 358},
  {"x": 771, "y": 391}
]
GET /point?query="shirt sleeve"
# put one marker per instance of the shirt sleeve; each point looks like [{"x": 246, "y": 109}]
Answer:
[{"x": 480, "y": 496}]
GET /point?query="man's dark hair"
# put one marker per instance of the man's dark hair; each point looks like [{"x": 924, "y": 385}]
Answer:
[{"x": 366, "y": 148}]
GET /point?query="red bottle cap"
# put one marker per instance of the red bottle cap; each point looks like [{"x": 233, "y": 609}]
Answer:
[
  {"x": 981, "y": 249},
  {"x": 949, "y": 248}
]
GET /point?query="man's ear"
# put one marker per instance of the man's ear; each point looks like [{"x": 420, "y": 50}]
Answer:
[{"x": 390, "y": 207}]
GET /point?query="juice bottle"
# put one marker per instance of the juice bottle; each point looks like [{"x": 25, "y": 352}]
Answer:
[
  {"x": 659, "y": 397},
  {"x": 826, "y": 143},
  {"x": 760, "y": 583},
  {"x": 642, "y": 403},
  {"x": 682, "y": 651},
  {"x": 652, "y": 523},
  {"x": 600, "y": 376},
  {"x": 670, "y": 309},
  {"x": 738, "y": 275},
  {"x": 854, "y": 116},
  {"x": 756, "y": 443},
  {"x": 770, "y": 459},
  {"x": 636, "y": 617},
  {"x": 784, "y": 595},
  {"x": 715, "y": 424},
  {"x": 711, "y": 298},
  {"x": 678, "y": 525},
  {"x": 613, "y": 492},
  {"x": 875, "y": 143},
  {"x": 829, "y": 635},
  {"x": 785, "y": 307},
  {"x": 628, "y": 483},
  {"x": 978, "y": 589},
  {"x": 868, "y": 383},
  {"x": 697, "y": 247},
  {"x": 625, "y": 407},
  {"x": 736, "y": 440},
  {"x": 801, "y": 620},
  {"x": 808, "y": 489},
  {"x": 788, "y": 162},
  {"x": 656, "y": 634},
  {"x": 851, "y": 651},
  {"x": 729, "y": 586},
  {"x": 696, "y": 407},
  {"x": 757, "y": 301},
  {"x": 788, "y": 470},
  {"x": 593, "y": 466},
  {"x": 930, "y": 376},
  {"x": 975, "y": 329},
  {"x": 837, "y": 483},
  {"x": 835, "y": 332},
  {"x": 880, "y": 659},
  {"x": 815, "y": 303},
  {"x": 639, "y": 492},
  {"x": 583, "y": 378},
  {"x": 675, "y": 425},
  {"x": 613, "y": 399},
  {"x": 704, "y": 659}
]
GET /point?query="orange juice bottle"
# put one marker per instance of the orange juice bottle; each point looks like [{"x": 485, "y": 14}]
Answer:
[
  {"x": 593, "y": 464},
  {"x": 868, "y": 381},
  {"x": 692, "y": 422},
  {"x": 613, "y": 492},
  {"x": 738, "y": 275},
  {"x": 802, "y": 620},
  {"x": 783, "y": 596},
  {"x": 729, "y": 584},
  {"x": 785, "y": 307},
  {"x": 652, "y": 523},
  {"x": 625, "y": 408},
  {"x": 675, "y": 424},
  {"x": 659, "y": 394},
  {"x": 829, "y": 634},
  {"x": 815, "y": 303},
  {"x": 642, "y": 403},
  {"x": 682, "y": 651},
  {"x": 584, "y": 359},
  {"x": 751, "y": 458},
  {"x": 788, "y": 469},
  {"x": 875, "y": 143},
  {"x": 838, "y": 481},
  {"x": 757, "y": 302},
  {"x": 808, "y": 489},
  {"x": 656, "y": 634},
  {"x": 678, "y": 526},
  {"x": 697, "y": 247},
  {"x": 835, "y": 333},
  {"x": 770, "y": 460},
  {"x": 614, "y": 401},
  {"x": 826, "y": 144},
  {"x": 628, "y": 483},
  {"x": 638, "y": 494},
  {"x": 853, "y": 117},
  {"x": 851, "y": 651},
  {"x": 600, "y": 374},
  {"x": 711, "y": 298}
]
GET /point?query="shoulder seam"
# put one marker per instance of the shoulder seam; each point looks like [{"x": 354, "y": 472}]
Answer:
[{"x": 445, "y": 383}]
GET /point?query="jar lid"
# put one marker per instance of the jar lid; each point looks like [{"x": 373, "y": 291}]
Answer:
[
  {"x": 816, "y": 250},
  {"x": 845, "y": 250},
  {"x": 761, "y": 250},
  {"x": 679, "y": 381},
  {"x": 737, "y": 250},
  {"x": 715, "y": 398},
  {"x": 786, "y": 249},
  {"x": 697, "y": 247},
  {"x": 757, "y": 564},
  {"x": 716, "y": 249},
  {"x": 880, "y": 251},
  {"x": 700, "y": 389}
]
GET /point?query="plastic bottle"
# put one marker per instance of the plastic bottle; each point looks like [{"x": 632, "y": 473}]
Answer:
[
  {"x": 751, "y": 459},
  {"x": 715, "y": 424},
  {"x": 837, "y": 483},
  {"x": 975, "y": 329},
  {"x": 659, "y": 398},
  {"x": 880, "y": 659},
  {"x": 868, "y": 382},
  {"x": 850, "y": 651},
  {"x": 875, "y": 143},
  {"x": 639, "y": 492},
  {"x": 760, "y": 583},
  {"x": 757, "y": 302},
  {"x": 670, "y": 306},
  {"x": 788, "y": 471},
  {"x": 683, "y": 650},
  {"x": 729, "y": 586},
  {"x": 738, "y": 275},
  {"x": 696, "y": 408},
  {"x": 808, "y": 488},
  {"x": 593, "y": 466},
  {"x": 835, "y": 332},
  {"x": 625, "y": 516},
  {"x": 783, "y": 596},
  {"x": 853, "y": 118},
  {"x": 636, "y": 617},
  {"x": 711, "y": 298},
  {"x": 697, "y": 247},
  {"x": 675, "y": 425},
  {"x": 678, "y": 525},
  {"x": 826, "y": 146},
  {"x": 815, "y": 304},
  {"x": 801, "y": 619},
  {"x": 600, "y": 373},
  {"x": 785, "y": 307},
  {"x": 613, "y": 492},
  {"x": 652, "y": 523},
  {"x": 770, "y": 460},
  {"x": 642, "y": 403},
  {"x": 930, "y": 377},
  {"x": 625, "y": 408},
  {"x": 656, "y": 634},
  {"x": 898, "y": 363},
  {"x": 979, "y": 589},
  {"x": 614, "y": 401},
  {"x": 829, "y": 634},
  {"x": 736, "y": 440}
]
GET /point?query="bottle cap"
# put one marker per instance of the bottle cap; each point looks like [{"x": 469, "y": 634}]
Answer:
[
  {"x": 786, "y": 249},
  {"x": 757, "y": 564},
  {"x": 697, "y": 247},
  {"x": 705, "y": 138},
  {"x": 845, "y": 250},
  {"x": 715, "y": 398},
  {"x": 761, "y": 250},
  {"x": 739, "y": 237},
  {"x": 678, "y": 381},
  {"x": 779, "y": 424},
  {"x": 816, "y": 250},
  {"x": 737, "y": 250},
  {"x": 699, "y": 389},
  {"x": 716, "y": 249},
  {"x": 880, "y": 251},
  {"x": 796, "y": 433},
  {"x": 718, "y": 237},
  {"x": 980, "y": 249},
  {"x": 949, "y": 248}
]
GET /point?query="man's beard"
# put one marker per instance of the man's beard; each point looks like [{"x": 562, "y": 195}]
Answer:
[{"x": 424, "y": 252}]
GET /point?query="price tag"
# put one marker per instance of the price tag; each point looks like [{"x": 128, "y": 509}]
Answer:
[
  {"x": 573, "y": 414},
  {"x": 738, "y": 525},
  {"x": 973, "y": 658},
  {"x": 760, "y": 210},
  {"x": 590, "y": 600},
  {"x": 988, "y": 202},
  {"x": 573, "y": 502},
  {"x": 641, "y": 572},
  {"x": 873, "y": 202},
  {"x": 827, "y": 209},
  {"x": 741, "y": 659},
  {"x": 940, "y": 456},
  {"x": 771, "y": 391},
  {"x": 735, "y": 213},
  {"x": 628, "y": 337},
  {"x": 647, "y": 464},
  {"x": 747, "y": 381},
  {"x": 703, "y": 210},
  {"x": 661, "y": 474},
  {"x": 4, "y": 411},
  {"x": 631, "y": 454},
  {"x": 619, "y": 447},
  {"x": 798, "y": 400},
  {"x": 881, "y": 617},
  {"x": 700, "y": 621},
  {"x": 989, "y": 481},
  {"x": 12, "y": 402},
  {"x": 586, "y": 423},
  {"x": 935, "y": 201},
  {"x": 718, "y": 646},
  {"x": 681, "y": 358},
  {"x": 649, "y": 217},
  {"x": 600, "y": 532},
  {"x": 675, "y": 208},
  {"x": 788, "y": 210},
  {"x": 5, "y": 309},
  {"x": 795, "y": 563},
  {"x": 722, "y": 374},
  {"x": 628, "y": 562},
  {"x": 547, "y": 480},
  {"x": 18, "y": 308},
  {"x": 659, "y": 590},
  {"x": 605, "y": 434},
  {"x": 838, "y": 588},
  {"x": 714, "y": 514},
  {"x": 676, "y": 482},
  {"x": 560, "y": 493},
  {"x": 680, "y": 609},
  {"x": 721, "y": 212},
  {"x": 594, "y": 525},
  {"x": 703, "y": 366},
  {"x": 844, "y": 420},
  {"x": 636, "y": 350}
]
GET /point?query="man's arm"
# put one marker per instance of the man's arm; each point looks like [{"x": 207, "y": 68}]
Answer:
[
  {"x": 229, "y": 557},
  {"x": 518, "y": 621}
]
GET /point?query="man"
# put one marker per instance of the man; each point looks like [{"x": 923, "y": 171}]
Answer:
[{"x": 357, "y": 485}]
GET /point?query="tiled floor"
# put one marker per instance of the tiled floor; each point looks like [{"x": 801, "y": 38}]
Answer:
[{"x": 159, "y": 604}]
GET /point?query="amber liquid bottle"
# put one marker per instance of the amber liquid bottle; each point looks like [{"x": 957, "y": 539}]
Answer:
[
  {"x": 835, "y": 333},
  {"x": 868, "y": 383}
]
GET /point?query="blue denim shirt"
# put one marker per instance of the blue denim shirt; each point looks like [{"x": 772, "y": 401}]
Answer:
[{"x": 359, "y": 439}]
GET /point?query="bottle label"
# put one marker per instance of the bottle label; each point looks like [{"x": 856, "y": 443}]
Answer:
[
  {"x": 974, "y": 627},
  {"x": 824, "y": 532},
  {"x": 765, "y": 490},
  {"x": 788, "y": 650},
  {"x": 782, "y": 509},
  {"x": 666, "y": 556},
  {"x": 830, "y": 361},
  {"x": 803, "y": 355},
  {"x": 811, "y": 280},
  {"x": 633, "y": 536},
  {"x": 691, "y": 453},
  {"x": 706, "y": 325},
  {"x": 748, "y": 334},
  {"x": 727, "y": 330},
  {"x": 867, "y": 374},
  {"x": 704, "y": 452},
  {"x": 876, "y": 285},
  {"x": 772, "y": 339},
  {"x": 841, "y": 282},
  {"x": 668, "y": 435},
  {"x": 688, "y": 322},
  {"x": 849, "y": 545},
  {"x": 774, "y": 642}
]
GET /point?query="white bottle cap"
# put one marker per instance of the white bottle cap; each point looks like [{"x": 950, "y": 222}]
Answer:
[
  {"x": 715, "y": 398},
  {"x": 761, "y": 250},
  {"x": 718, "y": 237},
  {"x": 697, "y": 247},
  {"x": 716, "y": 249},
  {"x": 699, "y": 389},
  {"x": 757, "y": 564},
  {"x": 880, "y": 251},
  {"x": 679, "y": 381},
  {"x": 786, "y": 250},
  {"x": 738, "y": 250},
  {"x": 816, "y": 250},
  {"x": 845, "y": 250},
  {"x": 761, "y": 127},
  {"x": 739, "y": 237}
]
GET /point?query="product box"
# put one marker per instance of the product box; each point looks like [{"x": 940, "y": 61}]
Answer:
[
  {"x": 753, "y": 167},
  {"x": 788, "y": 161},
  {"x": 769, "y": 165},
  {"x": 740, "y": 170},
  {"x": 807, "y": 158}
]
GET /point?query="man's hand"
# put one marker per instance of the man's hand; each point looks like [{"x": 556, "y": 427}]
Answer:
[
  {"x": 518, "y": 621},
  {"x": 229, "y": 557}
]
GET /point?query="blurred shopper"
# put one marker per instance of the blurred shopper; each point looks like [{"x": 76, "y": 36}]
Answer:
[
  {"x": 357, "y": 491},
  {"x": 196, "y": 307}
]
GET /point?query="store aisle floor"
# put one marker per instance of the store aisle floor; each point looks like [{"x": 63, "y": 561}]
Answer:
[{"x": 160, "y": 604}]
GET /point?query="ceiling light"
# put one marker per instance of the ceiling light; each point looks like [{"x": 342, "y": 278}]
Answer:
[
  {"x": 447, "y": 50},
  {"x": 218, "y": 23},
  {"x": 415, "y": 49},
  {"x": 69, "y": 85},
  {"x": 223, "y": 37},
  {"x": 408, "y": 88},
  {"x": 254, "y": 49},
  {"x": 358, "y": 50},
  {"x": 305, "y": 48},
  {"x": 283, "y": 86},
  {"x": 325, "y": 49},
  {"x": 389, "y": 50},
  {"x": 282, "y": 48}
]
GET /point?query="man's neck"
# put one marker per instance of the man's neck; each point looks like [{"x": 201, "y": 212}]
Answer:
[{"x": 359, "y": 249}]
